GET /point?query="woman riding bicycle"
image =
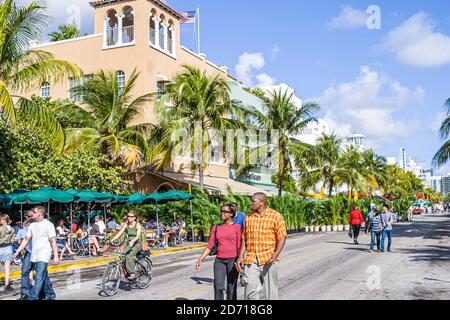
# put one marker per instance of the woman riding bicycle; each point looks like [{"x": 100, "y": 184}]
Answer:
[{"x": 133, "y": 230}]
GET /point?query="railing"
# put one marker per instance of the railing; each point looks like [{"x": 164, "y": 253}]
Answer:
[
  {"x": 112, "y": 36},
  {"x": 128, "y": 34},
  {"x": 153, "y": 36}
]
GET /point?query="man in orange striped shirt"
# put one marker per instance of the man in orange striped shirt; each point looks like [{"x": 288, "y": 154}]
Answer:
[{"x": 264, "y": 236}]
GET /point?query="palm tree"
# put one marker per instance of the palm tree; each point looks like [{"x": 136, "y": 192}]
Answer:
[
  {"x": 22, "y": 69},
  {"x": 375, "y": 169},
  {"x": 284, "y": 119},
  {"x": 351, "y": 169},
  {"x": 321, "y": 164},
  {"x": 66, "y": 31},
  {"x": 107, "y": 114},
  {"x": 443, "y": 153},
  {"x": 195, "y": 109}
]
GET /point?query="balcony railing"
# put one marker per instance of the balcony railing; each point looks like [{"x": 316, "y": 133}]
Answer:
[
  {"x": 112, "y": 36},
  {"x": 128, "y": 34}
]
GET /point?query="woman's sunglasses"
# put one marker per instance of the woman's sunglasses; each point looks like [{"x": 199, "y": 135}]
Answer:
[{"x": 225, "y": 211}]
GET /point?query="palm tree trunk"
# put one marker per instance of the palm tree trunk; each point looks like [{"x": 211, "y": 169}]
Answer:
[
  {"x": 200, "y": 168},
  {"x": 330, "y": 189}
]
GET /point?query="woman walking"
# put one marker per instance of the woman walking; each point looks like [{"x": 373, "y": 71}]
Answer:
[
  {"x": 6, "y": 249},
  {"x": 227, "y": 239},
  {"x": 356, "y": 219}
]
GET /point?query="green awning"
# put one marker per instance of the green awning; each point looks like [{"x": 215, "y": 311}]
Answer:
[
  {"x": 169, "y": 196},
  {"x": 92, "y": 196},
  {"x": 44, "y": 194}
]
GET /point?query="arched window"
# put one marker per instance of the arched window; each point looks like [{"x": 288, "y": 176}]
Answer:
[
  {"x": 120, "y": 80},
  {"x": 45, "y": 90},
  {"x": 162, "y": 34},
  {"x": 112, "y": 28},
  {"x": 152, "y": 25},
  {"x": 128, "y": 25}
]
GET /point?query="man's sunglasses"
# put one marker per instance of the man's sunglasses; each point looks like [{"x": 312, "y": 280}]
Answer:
[
  {"x": 131, "y": 216},
  {"x": 225, "y": 211}
]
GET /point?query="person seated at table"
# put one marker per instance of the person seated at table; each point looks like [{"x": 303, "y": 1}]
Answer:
[
  {"x": 151, "y": 224},
  {"x": 182, "y": 225},
  {"x": 74, "y": 225},
  {"x": 101, "y": 225},
  {"x": 62, "y": 239},
  {"x": 172, "y": 232},
  {"x": 111, "y": 223},
  {"x": 84, "y": 237}
]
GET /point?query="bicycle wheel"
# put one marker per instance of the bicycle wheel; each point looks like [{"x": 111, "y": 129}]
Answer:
[
  {"x": 111, "y": 279},
  {"x": 143, "y": 272}
]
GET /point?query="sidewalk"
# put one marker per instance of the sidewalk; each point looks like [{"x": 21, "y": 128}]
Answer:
[{"x": 86, "y": 262}]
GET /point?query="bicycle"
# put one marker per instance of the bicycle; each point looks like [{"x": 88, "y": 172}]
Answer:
[{"x": 116, "y": 272}]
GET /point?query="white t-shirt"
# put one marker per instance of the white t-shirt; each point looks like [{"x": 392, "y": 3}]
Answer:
[
  {"x": 101, "y": 226},
  {"x": 40, "y": 233}
]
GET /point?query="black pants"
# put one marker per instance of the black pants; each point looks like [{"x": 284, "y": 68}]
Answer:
[
  {"x": 224, "y": 268},
  {"x": 356, "y": 229}
]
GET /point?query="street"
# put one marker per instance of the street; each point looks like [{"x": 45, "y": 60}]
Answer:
[{"x": 313, "y": 266}]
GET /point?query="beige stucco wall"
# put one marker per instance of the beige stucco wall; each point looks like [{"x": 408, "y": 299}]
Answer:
[{"x": 88, "y": 53}]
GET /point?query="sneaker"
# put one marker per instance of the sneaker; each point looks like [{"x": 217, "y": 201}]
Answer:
[
  {"x": 389, "y": 250},
  {"x": 379, "y": 251},
  {"x": 23, "y": 298},
  {"x": 370, "y": 250},
  {"x": 8, "y": 288}
]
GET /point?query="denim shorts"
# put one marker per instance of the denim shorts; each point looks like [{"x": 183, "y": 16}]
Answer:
[{"x": 6, "y": 253}]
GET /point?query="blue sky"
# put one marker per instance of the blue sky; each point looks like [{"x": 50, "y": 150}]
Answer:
[{"x": 389, "y": 84}]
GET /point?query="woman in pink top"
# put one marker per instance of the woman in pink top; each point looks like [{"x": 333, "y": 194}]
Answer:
[{"x": 228, "y": 242}]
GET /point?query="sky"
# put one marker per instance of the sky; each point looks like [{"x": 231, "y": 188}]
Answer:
[{"x": 380, "y": 68}]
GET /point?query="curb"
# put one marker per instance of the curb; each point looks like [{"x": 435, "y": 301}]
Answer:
[{"x": 16, "y": 274}]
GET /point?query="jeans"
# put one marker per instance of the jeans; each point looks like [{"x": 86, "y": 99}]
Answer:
[
  {"x": 42, "y": 282},
  {"x": 25, "y": 274},
  {"x": 375, "y": 235},
  {"x": 389, "y": 235},
  {"x": 224, "y": 268}
]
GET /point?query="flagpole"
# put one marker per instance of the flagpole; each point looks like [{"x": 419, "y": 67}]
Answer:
[{"x": 198, "y": 29}]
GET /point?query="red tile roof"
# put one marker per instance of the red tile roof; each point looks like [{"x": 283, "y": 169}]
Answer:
[{"x": 159, "y": 3}]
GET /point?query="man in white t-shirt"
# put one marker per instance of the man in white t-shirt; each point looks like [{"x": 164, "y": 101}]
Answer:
[
  {"x": 42, "y": 235},
  {"x": 101, "y": 225}
]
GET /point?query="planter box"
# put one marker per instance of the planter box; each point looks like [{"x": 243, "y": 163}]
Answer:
[
  {"x": 347, "y": 227},
  {"x": 335, "y": 228},
  {"x": 306, "y": 229},
  {"x": 323, "y": 228},
  {"x": 328, "y": 228},
  {"x": 340, "y": 227},
  {"x": 316, "y": 229}
]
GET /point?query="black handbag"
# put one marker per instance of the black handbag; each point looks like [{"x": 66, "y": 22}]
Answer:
[{"x": 216, "y": 244}]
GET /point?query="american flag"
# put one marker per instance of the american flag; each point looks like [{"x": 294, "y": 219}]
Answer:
[{"x": 189, "y": 16}]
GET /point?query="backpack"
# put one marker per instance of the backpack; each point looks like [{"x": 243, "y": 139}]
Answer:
[{"x": 6, "y": 235}]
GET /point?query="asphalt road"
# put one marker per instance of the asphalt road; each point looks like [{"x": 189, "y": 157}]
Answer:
[{"x": 314, "y": 266}]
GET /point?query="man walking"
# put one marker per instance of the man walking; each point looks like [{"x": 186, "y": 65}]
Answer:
[
  {"x": 240, "y": 216},
  {"x": 264, "y": 236},
  {"x": 26, "y": 259},
  {"x": 386, "y": 224},
  {"x": 41, "y": 233},
  {"x": 375, "y": 230}
]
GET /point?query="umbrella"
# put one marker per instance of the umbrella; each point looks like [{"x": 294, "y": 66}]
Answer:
[
  {"x": 92, "y": 196},
  {"x": 45, "y": 194},
  {"x": 135, "y": 198},
  {"x": 169, "y": 196}
]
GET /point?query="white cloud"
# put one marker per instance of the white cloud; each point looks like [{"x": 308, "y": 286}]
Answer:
[
  {"x": 349, "y": 18},
  {"x": 437, "y": 122},
  {"x": 368, "y": 105},
  {"x": 247, "y": 63},
  {"x": 415, "y": 42},
  {"x": 275, "y": 51},
  {"x": 265, "y": 80}
]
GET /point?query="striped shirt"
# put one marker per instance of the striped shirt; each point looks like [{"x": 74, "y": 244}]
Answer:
[
  {"x": 261, "y": 233},
  {"x": 375, "y": 223}
]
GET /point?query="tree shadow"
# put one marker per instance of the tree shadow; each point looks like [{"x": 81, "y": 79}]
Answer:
[
  {"x": 202, "y": 280},
  {"x": 429, "y": 253}
]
